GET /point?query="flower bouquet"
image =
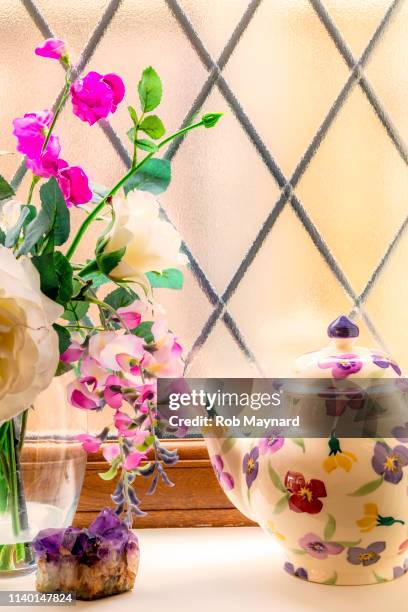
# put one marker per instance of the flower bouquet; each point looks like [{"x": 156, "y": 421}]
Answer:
[{"x": 96, "y": 318}]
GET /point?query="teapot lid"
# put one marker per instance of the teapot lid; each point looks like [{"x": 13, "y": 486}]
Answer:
[{"x": 343, "y": 359}]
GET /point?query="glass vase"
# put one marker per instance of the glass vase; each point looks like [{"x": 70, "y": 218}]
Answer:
[{"x": 42, "y": 467}]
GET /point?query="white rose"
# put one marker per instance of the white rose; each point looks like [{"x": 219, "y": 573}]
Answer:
[
  {"x": 152, "y": 244},
  {"x": 28, "y": 343},
  {"x": 9, "y": 214}
]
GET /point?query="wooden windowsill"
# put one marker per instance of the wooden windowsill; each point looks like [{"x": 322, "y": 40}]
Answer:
[{"x": 196, "y": 500}]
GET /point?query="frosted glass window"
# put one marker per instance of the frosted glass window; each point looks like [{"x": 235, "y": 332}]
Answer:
[{"x": 294, "y": 209}]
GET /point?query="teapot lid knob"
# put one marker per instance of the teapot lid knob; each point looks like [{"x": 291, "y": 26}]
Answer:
[{"x": 343, "y": 327}]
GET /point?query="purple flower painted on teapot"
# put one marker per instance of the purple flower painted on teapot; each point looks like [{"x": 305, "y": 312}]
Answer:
[
  {"x": 365, "y": 556},
  {"x": 401, "y": 433},
  {"x": 224, "y": 478},
  {"x": 250, "y": 466},
  {"x": 342, "y": 365},
  {"x": 400, "y": 571},
  {"x": 318, "y": 548},
  {"x": 299, "y": 573},
  {"x": 270, "y": 444},
  {"x": 389, "y": 462},
  {"x": 383, "y": 361}
]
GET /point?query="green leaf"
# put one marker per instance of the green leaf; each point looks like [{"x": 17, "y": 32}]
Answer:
[
  {"x": 153, "y": 127},
  {"x": 133, "y": 114},
  {"x": 298, "y": 551},
  {"x": 379, "y": 578},
  {"x": 146, "y": 444},
  {"x": 98, "y": 279},
  {"x": 299, "y": 442},
  {"x": 228, "y": 444},
  {"x": 168, "y": 279},
  {"x": 131, "y": 134},
  {"x": 2, "y": 237},
  {"x": 144, "y": 330},
  {"x": 48, "y": 276},
  {"x": 154, "y": 176},
  {"x": 211, "y": 119},
  {"x": 64, "y": 338},
  {"x": 281, "y": 504},
  {"x": 52, "y": 198},
  {"x": 55, "y": 276},
  {"x": 75, "y": 311},
  {"x": 53, "y": 215},
  {"x": 331, "y": 580},
  {"x": 348, "y": 543},
  {"x": 64, "y": 274},
  {"x": 330, "y": 528},
  {"x": 150, "y": 90},
  {"x": 367, "y": 488},
  {"x": 147, "y": 145},
  {"x": 277, "y": 483},
  {"x": 120, "y": 297},
  {"x": 6, "y": 190},
  {"x": 37, "y": 229},
  {"x": 14, "y": 233},
  {"x": 108, "y": 261},
  {"x": 63, "y": 368},
  {"x": 111, "y": 473}
]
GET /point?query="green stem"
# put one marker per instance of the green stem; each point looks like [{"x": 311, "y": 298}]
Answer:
[
  {"x": 60, "y": 106},
  {"x": 85, "y": 224},
  {"x": 15, "y": 519},
  {"x": 34, "y": 181}
]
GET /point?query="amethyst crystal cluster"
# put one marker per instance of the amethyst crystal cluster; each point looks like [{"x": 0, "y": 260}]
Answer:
[{"x": 95, "y": 562}]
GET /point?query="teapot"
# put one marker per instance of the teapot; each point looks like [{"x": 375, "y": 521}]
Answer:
[{"x": 338, "y": 506}]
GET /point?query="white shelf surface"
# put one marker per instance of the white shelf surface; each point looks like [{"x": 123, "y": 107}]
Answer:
[{"x": 226, "y": 570}]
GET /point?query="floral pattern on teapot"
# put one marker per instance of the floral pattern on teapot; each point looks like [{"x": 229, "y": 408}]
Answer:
[{"x": 339, "y": 507}]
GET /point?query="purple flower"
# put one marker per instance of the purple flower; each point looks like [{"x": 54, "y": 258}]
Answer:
[
  {"x": 383, "y": 361},
  {"x": 319, "y": 549},
  {"x": 250, "y": 466},
  {"x": 73, "y": 183},
  {"x": 365, "y": 556},
  {"x": 224, "y": 478},
  {"x": 271, "y": 445},
  {"x": 400, "y": 571},
  {"x": 388, "y": 462},
  {"x": 336, "y": 402},
  {"x": 95, "y": 96},
  {"x": 30, "y": 132},
  {"x": 401, "y": 433},
  {"x": 52, "y": 48},
  {"x": 299, "y": 573},
  {"x": 342, "y": 365}
]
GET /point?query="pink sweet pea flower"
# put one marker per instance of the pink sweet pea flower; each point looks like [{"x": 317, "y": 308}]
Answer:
[
  {"x": 95, "y": 96},
  {"x": 52, "y": 48},
  {"x": 121, "y": 352},
  {"x": 111, "y": 452},
  {"x": 165, "y": 360},
  {"x": 90, "y": 443},
  {"x": 46, "y": 165},
  {"x": 113, "y": 391},
  {"x": 122, "y": 422},
  {"x": 81, "y": 394},
  {"x": 131, "y": 317},
  {"x": 91, "y": 369},
  {"x": 73, "y": 353},
  {"x": 30, "y": 132},
  {"x": 133, "y": 460},
  {"x": 73, "y": 183}
]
